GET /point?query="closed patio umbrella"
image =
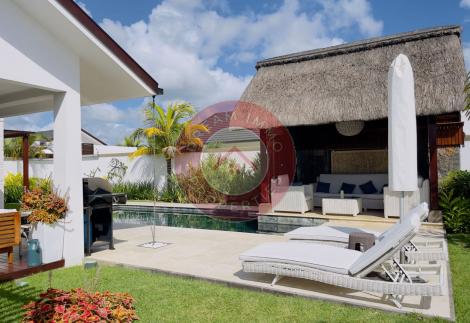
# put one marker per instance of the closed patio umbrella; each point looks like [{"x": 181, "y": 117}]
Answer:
[{"x": 402, "y": 146}]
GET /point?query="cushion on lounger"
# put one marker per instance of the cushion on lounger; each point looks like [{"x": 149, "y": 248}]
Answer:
[
  {"x": 325, "y": 233},
  {"x": 323, "y": 257},
  {"x": 415, "y": 216},
  {"x": 385, "y": 247},
  {"x": 323, "y": 187}
]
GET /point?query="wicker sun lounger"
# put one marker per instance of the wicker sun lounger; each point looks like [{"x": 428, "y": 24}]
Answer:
[
  {"x": 350, "y": 268},
  {"x": 416, "y": 250}
]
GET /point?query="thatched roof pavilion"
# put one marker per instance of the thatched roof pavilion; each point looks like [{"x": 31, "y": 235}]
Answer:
[{"x": 349, "y": 81}]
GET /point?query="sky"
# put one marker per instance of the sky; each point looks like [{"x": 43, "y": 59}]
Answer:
[{"x": 204, "y": 52}]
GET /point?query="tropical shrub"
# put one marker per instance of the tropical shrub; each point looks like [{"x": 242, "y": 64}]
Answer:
[
  {"x": 457, "y": 181},
  {"x": 136, "y": 191},
  {"x": 454, "y": 199},
  {"x": 218, "y": 177},
  {"x": 57, "y": 305},
  {"x": 173, "y": 191},
  {"x": 45, "y": 207},
  {"x": 117, "y": 170},
  {"x": 455, "y": 211},
  {"x": 14, "y": 186},
  {"x": 196, "y": 189},
  {"x": 225, "y": 175}
]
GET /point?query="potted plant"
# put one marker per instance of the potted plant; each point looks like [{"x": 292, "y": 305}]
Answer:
[{"x": 47, "y": 211}]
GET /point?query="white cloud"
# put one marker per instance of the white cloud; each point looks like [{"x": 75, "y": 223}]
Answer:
[
  {"x": 111, "y": 124},
  {"x": 190, "y": 46},
  {"x": 30, "y": 122},
  {"x": 184, "y": 44},
  {"x": 347, "y": 13},
  {"x": 465, "y": 4},
  {"x": 466, "y": 54}
]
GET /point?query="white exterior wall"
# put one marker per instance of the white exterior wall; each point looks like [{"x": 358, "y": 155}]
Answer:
[
  {"x": 465, "y": 150},
  {"x": 139, "y": 169},
  {"x": 33, "y": 57}
]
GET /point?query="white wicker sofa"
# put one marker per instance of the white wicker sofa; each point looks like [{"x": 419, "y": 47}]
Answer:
[{"x": 369, "y": 201}]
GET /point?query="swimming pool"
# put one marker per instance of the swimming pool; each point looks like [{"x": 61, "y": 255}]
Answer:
[{"x": 184, "y": 218}]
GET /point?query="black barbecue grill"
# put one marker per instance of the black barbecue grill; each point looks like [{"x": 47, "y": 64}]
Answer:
[{"x": 98, "y": 200}]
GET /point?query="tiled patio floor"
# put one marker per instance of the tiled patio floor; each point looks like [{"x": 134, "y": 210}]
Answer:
[{"x": 213, "y": 255}]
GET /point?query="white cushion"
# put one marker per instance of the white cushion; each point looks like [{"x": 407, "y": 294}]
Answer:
[
  {"x": 387, "y": 245},
  {"x": 414, "y": 216},
  {"x": 325, "y": 233},
  {"x": 323, "y": 257}
]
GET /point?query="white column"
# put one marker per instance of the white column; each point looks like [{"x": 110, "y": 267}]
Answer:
[
  {"x": 2, "y": 166},
  {"x": 68, "y": 170}
]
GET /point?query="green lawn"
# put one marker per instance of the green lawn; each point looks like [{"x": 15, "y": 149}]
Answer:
[{"x": 165, "y": 298}]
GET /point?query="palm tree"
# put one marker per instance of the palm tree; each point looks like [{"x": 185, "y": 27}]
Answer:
[
  {"x": 131, "y": 141},
  {"x": 13, "y": 147},
  {"x": 168, "y": 131}
]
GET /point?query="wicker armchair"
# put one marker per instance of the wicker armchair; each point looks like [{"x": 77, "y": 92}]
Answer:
[
  {"x": 285, "y": 198},
  {"x": 412, "y": 199}
]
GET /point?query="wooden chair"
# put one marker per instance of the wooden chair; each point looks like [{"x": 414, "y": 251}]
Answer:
[{"x": 9, "y": 233}]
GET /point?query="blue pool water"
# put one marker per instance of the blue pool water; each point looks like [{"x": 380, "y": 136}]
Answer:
[{"x": 183, "y": 218}]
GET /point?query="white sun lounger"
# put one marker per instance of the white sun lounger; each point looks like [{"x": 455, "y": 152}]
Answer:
[
  {"x": 417, "y": 250},
  {"x": 349, "y": 268}
]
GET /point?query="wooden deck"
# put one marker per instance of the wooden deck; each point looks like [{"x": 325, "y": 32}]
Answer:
[{"x": 19, "y": 268}]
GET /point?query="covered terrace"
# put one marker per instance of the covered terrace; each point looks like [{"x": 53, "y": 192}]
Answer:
[{"x": 56, "y": 58}]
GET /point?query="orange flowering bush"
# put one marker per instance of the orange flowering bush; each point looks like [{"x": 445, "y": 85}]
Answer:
[
  {"x": 76, "y": 305},
  {"x": 45, "y": 207}
]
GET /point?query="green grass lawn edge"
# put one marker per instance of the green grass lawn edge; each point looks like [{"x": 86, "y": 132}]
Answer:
[{"x": 165, "y": 298}]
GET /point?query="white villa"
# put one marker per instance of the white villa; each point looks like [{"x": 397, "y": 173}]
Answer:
[{"x": 56, "y": 58}]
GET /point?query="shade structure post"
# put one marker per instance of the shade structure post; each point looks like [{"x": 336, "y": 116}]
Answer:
[
  {"x": 67, "y": 175},
  {"x": 25, "y": 154},
  {"x": 402, "y": 136}
]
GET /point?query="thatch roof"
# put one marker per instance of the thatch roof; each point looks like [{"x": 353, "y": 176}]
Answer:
[{"x": 349, "y": 82}]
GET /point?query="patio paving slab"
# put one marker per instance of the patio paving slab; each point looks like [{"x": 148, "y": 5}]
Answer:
[{"x": 213, "y": 255}]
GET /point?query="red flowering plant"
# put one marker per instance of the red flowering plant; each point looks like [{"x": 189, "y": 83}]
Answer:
[
  {"x": 45, "y": 206},
  {"x": 76, "y": 305}
]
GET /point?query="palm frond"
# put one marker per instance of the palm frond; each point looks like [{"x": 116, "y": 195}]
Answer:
[
  {"x": 141, "y": 152},
  {"x": 189, "y": 138},
  {"x": 151, "y": 132}
]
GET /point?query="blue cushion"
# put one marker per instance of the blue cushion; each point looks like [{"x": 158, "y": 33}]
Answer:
[
  {"x": 323, "y": 187},
  {"x": 347, "y": 188},
  {"x": 368, "y": 188}
]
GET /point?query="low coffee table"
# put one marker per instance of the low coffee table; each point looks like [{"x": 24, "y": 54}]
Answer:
[{"x": 352, "y": 206}]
